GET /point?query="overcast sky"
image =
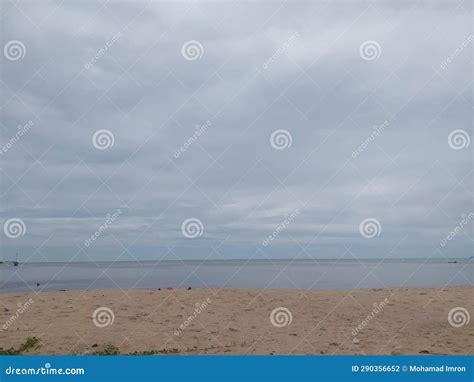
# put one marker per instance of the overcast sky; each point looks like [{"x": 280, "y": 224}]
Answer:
[{"x": 194, "y": 98}]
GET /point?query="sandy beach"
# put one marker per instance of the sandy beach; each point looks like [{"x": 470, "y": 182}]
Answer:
[{"x": 239, "y": 321}]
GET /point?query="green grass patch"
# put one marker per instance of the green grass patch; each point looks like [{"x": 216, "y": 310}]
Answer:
[
  {"x": 155, "y": 352},
  {"x": 30, "y": 343},
  {"x": 110, "y": 349}
]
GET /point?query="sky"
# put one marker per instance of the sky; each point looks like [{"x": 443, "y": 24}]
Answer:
[{"x": 252, "y": 130}]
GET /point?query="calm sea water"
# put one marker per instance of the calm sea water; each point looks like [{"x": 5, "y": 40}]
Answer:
[{"x": 296, "y": 274}]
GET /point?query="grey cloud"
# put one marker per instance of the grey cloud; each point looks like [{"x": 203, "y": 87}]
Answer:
[{"x": 252, "y": 79}]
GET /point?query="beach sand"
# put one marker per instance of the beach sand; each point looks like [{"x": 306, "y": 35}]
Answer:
[{"x": 238, "y": 321}]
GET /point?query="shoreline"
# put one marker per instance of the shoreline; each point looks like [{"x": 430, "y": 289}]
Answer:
[
  {"x": 167, "y": 289},
  {"x": 238, "y": 321}
]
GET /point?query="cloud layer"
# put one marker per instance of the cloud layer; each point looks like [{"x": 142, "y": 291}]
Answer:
[{"x": 367, "y": 94}]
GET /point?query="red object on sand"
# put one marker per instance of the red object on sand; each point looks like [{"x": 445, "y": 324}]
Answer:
[{"x": 169, "y": 288}]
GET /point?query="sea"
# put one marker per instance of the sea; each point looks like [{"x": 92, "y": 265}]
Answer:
[{"x": 322, "y": 274}]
